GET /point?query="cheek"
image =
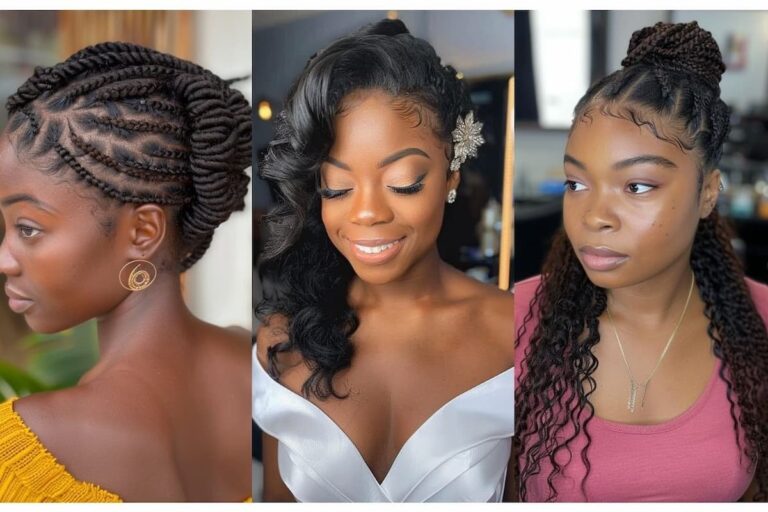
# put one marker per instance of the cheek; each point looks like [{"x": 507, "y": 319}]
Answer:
[
  {"x": 75, "y": 277},
  {"x": 665, "y": 227}
]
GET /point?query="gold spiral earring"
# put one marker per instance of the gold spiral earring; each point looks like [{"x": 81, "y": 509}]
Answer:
[{"x": 142, "y": 274}]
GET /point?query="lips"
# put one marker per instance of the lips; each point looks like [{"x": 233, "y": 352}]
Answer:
[
  {"x": 601, "y": 259},
  {"x": 18, "y": 303},
  {"x": 375, "y": 251}
]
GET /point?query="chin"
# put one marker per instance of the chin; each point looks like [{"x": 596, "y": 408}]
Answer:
[
  {"x": 377, "y": 277},
  {"x": 47, "y": 325}
]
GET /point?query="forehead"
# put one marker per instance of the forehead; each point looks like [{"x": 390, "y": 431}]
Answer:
[
  {"x": 373, "y": 122},
  {"x": 608, "y": 137},
  {"x": 20, "y": 174}
]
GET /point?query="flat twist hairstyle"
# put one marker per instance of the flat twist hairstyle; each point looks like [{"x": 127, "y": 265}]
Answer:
[{"x": 142, "y": 126}]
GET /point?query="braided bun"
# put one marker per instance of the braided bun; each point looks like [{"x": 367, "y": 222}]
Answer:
[
  {"x": 179, "y": 135},
  {"x": 683, "y": 47}
]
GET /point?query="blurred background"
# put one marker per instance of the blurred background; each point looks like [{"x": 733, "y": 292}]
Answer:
[
  {"x": 560, "y": 54},
  {"x": 218, "y": 287},
  {"x": 477, "y": 229}
]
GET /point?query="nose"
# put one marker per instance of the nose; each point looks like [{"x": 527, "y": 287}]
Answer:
[
  {"x": 370, "y": 207},
  {"x": 9, "y": 265},
  {"x": 600, "y": 214}
]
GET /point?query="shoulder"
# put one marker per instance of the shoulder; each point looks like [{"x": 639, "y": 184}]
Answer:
[
  {"x": 492, "y": 311},
  {"x": 759, "y": 293},
  {"x": 97, "y": 435}
]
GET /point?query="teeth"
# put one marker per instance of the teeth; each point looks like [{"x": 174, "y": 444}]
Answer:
[{"x": 375, "y": 249}]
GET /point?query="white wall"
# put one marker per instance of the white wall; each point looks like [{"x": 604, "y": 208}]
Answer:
[{"x": 219, "y": 285}]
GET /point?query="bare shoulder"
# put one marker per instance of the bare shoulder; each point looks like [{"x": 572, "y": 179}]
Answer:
[
  {"x": 101, "y": 437},
  {"x": 492, "y": 312}
]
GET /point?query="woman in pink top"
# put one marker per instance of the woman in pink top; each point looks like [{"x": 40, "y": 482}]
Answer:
[{"x": 672, "y": 405}]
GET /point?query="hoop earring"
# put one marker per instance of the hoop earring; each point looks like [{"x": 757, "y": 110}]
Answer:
[
  {"x": 451, "y": 196},
  {"x": 141, "y": 276}
]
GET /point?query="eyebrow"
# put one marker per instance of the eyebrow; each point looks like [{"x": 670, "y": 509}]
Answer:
[
  {"x": 26, "y": 198},
  {"x": 629, "y": 162},
  {"x": 394, "y": 157}
]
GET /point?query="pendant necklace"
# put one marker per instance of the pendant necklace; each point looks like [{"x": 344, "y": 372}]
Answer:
[{"x": 634, "y": 385}]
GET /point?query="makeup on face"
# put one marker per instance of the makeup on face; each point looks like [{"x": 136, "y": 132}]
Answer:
[
  {"x": 630, "y": 208},
  {"x": 383, "y": 188}
]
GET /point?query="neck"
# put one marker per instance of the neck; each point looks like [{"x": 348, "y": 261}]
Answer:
[
  {"x": 423, "y": 283},
  {"x": 147, "y": 321},
  {"x": 657, "y": 301}
]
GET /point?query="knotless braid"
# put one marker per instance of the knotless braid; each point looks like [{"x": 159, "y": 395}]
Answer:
[
  {"x": 669, "y": 84},
  {"x": 180, "y": 136}
]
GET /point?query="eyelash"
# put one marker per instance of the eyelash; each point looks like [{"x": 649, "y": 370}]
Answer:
[
  {"x": 329, "y": 193},
  {"x": 410, "y": 189},
  {"x": 569, "y": 184},
  {"x": 650, "y": 187},
  {"x": 21, "y": 229}
]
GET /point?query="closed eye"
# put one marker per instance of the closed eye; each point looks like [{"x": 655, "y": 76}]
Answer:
[
  {"x": 409, "y": 189},
  {"x": 332, "y": 193}
]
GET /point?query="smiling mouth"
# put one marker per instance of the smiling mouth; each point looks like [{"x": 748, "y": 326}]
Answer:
[
  {"x": 376, "y": 251},
  {"x": 601, "y": 259}
]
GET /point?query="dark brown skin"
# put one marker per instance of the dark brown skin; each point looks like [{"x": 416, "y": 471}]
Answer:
[
  {"x": 427, "y": 332},
  {"x": 648, "y": 211},
  {"x": 170, "y": 394}
]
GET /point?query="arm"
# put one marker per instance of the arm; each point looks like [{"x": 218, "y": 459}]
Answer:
[
  {"x": 274, "y": 488},
  {"x": 510, "y": 487}
]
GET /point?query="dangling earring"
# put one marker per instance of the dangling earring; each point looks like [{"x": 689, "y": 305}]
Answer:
[
  {"x": 451, "y": 196},
  {"x": 142, "y": 274}
]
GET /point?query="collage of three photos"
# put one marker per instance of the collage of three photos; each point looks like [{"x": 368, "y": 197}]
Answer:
[{"x": 384, "y": 256}]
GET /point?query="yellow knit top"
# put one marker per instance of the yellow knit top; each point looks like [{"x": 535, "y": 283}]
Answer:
[{"x": 29, "y": 473}]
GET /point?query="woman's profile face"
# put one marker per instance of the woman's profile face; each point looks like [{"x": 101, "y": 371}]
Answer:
[
  {"x": 383, "y": 186},
  {"x": 60, "y": 265},
  {"x": 631, "y": 204}
]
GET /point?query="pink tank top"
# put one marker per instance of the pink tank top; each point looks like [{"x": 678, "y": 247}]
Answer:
[{"x": 693, "y": 457}]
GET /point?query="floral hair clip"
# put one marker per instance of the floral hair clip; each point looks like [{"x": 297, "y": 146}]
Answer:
[{"x": 466, "y": 139}]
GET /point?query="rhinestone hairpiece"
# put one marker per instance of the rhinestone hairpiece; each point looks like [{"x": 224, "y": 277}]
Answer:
[{"x": 466, "y": 139}]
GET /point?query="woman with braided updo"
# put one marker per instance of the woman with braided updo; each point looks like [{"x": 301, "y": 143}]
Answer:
[
  {"x": 116, "y": 167},
  {"x": 643, "y": 353},
  {"x": 380, "y": 372}
]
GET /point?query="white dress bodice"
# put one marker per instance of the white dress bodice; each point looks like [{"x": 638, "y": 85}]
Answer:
[{"x": 459, "y": 454}]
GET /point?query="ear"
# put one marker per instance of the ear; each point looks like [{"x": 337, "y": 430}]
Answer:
[
  {"x": 454, "y": 178},
  {"x": 146, "y": 230},
  {"x": 710, "y": 191}
]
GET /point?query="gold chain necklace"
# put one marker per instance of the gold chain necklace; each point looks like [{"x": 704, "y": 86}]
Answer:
[{"x": 634, "y": 386}]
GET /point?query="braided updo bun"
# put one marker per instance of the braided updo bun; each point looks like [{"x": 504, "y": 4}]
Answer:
[
  {"x": 176, "y": 134},
  {"x": 683, "y": 47},
  {"x": 672, "y": 71}
]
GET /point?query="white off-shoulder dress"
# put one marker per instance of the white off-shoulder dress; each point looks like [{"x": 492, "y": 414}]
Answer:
[{"x": 459, "y": 454}]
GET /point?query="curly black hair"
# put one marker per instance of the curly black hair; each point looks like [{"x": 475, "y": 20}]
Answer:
[
  {"x": 179, "y": 136},
  {"x": 311, "y": 277},
  {"x": 669, "y": 83}
]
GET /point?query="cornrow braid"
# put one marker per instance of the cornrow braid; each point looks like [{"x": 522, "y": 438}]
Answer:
[{"x": 180, "y": 135}]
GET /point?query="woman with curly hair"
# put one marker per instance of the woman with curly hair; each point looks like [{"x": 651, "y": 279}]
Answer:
[
  {"x": 643, "y": 354},
  {"x": 381, "y": 373},
  {"x": 115, "y": 168}
]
